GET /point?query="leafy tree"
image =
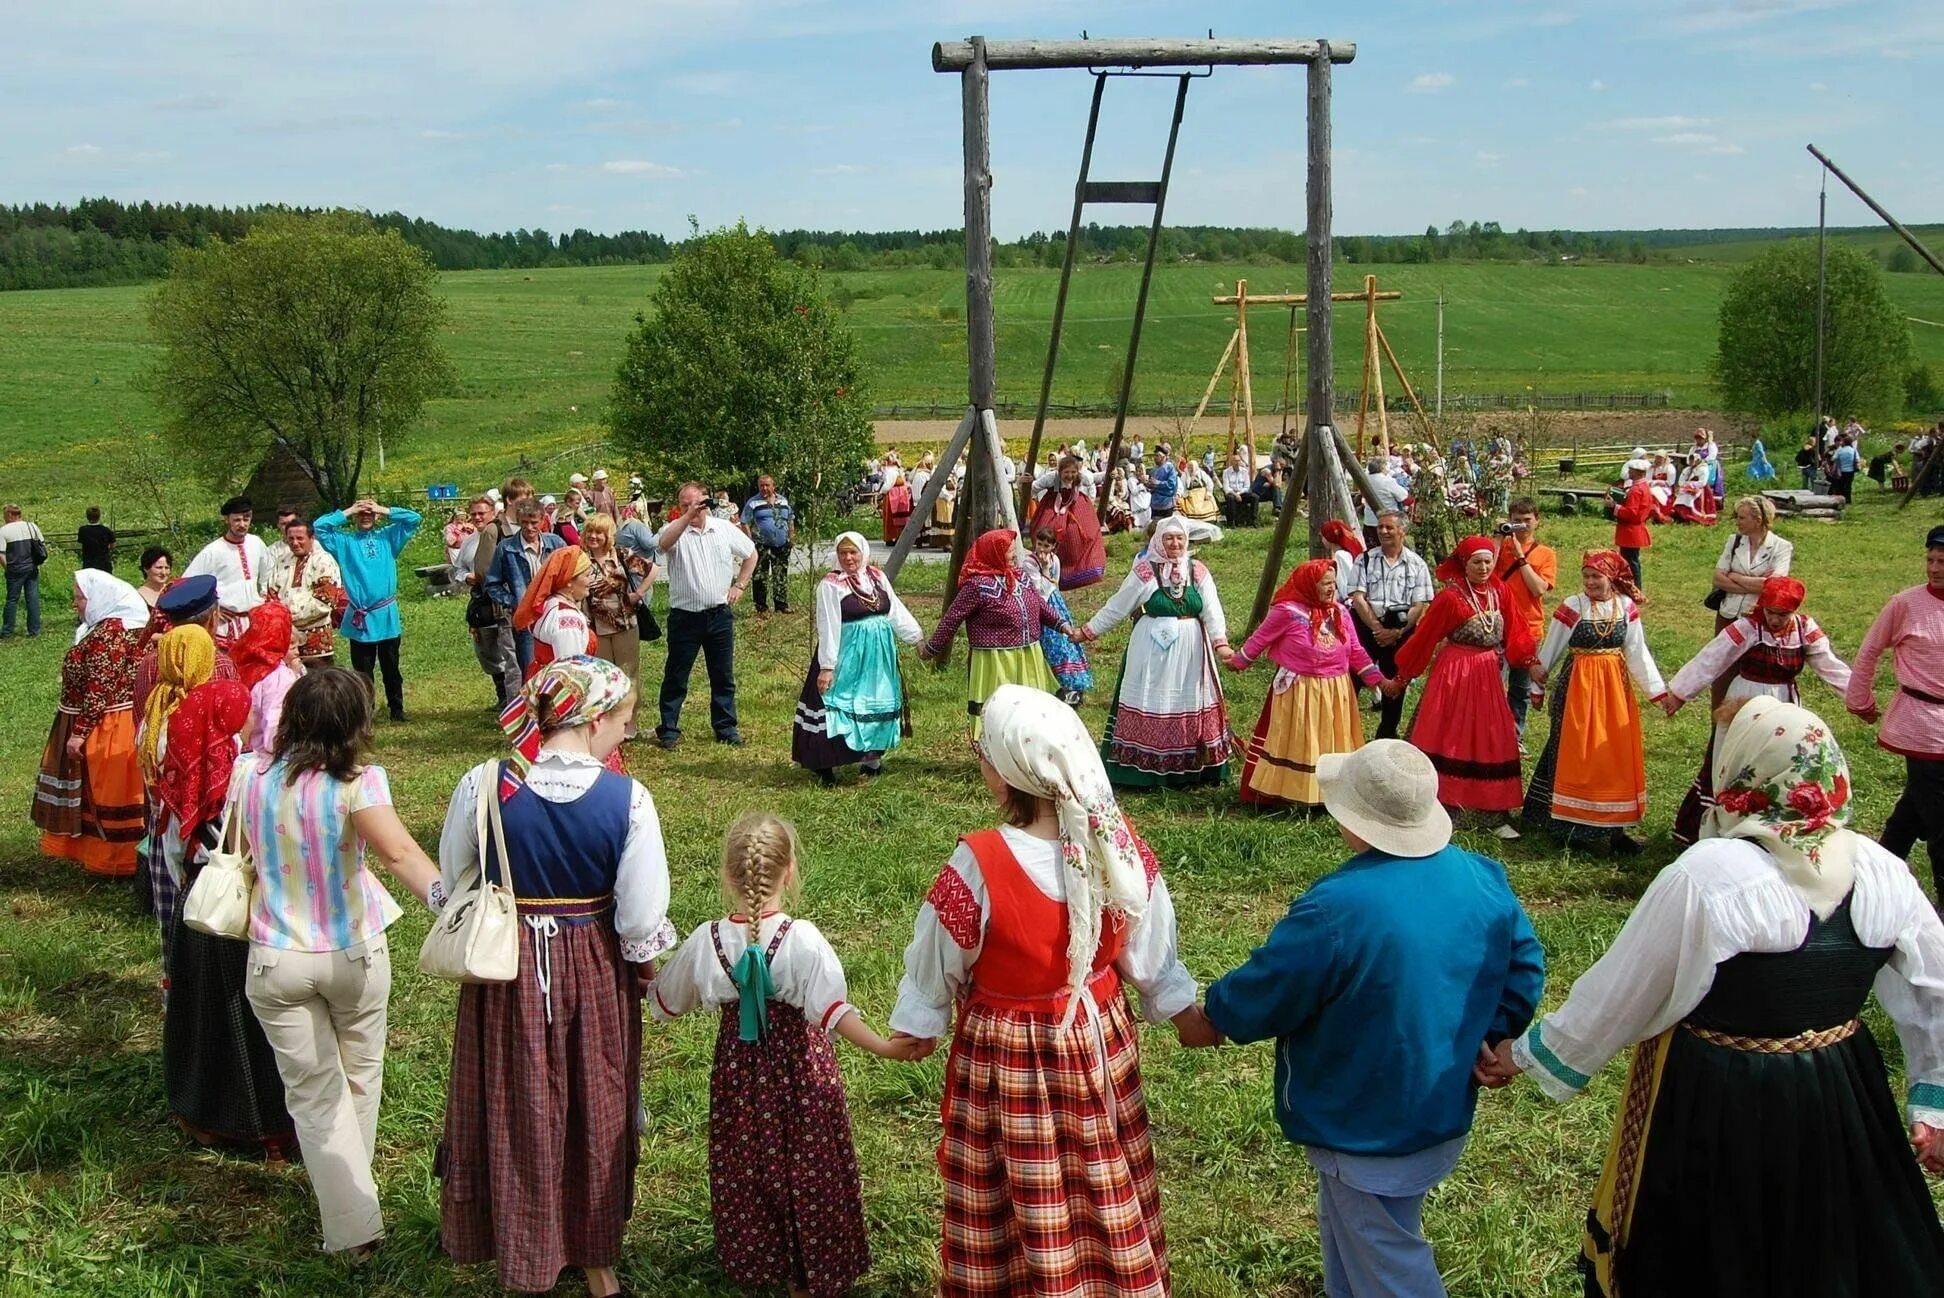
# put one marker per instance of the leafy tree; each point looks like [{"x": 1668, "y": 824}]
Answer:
[
  {"x": 744, "y": 366},
  {"x": 1766, "y": 353},
  {"x": 1902, "y": 260},
  {"x": 318, "y": 334}
]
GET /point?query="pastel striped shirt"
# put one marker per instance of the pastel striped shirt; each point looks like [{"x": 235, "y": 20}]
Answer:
[{"x": 313, "y": 891}]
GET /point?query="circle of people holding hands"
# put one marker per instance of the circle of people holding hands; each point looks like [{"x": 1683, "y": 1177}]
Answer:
[{"x": 192, "y": 732}]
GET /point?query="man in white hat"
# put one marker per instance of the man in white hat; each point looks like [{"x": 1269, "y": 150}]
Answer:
[
  {"x": 600, "y": 499},
  {"x": 577, "y": 480},
  {"x": 1384, "y": 986}
]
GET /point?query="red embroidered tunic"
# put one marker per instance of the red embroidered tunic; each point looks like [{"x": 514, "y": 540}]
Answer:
[{"x": 98, "y": 675}]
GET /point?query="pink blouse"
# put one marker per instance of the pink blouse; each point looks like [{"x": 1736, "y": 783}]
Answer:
[{"x": 1294, "y": 643}]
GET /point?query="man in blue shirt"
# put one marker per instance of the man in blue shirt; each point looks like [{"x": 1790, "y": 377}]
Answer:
[
  {"x": 515, "y": 564},
  {"x": 1164, "y": 484},
  {"x": 771, "y": 524},
  {"x": 1384, "y": 986},
  {"x": 367, "y": 551},
  {"x": 1844, "y": 462}
]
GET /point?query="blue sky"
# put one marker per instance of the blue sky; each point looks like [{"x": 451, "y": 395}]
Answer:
[{"x": 620, "y": 114}]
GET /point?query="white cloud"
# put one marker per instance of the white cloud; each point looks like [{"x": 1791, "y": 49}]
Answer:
[
  {"x": 83, "y": 151},
  {"x": 1516, "y": 83},
  {"x": 438, "y": 136},
  {"x": 713, "y": 84},
  {"x": 1673, "y": 122},
  {"x": 1489, "y": 158},
  {"x": 1426, "y": 83},
  {"x": 638, "y": 167},
  {"x": 1578, "y": 191},
  {"x": 191, "y": 104},
  {"x": 1701, "y": 142},
  {"x": 1897, "y": 52},
  {"x": 599, "y": 106},
  {"x": 840, "y": 169},
  {"x": 1817, "y": 86},
  {"x": 568, "y": 209},
  {"x": 1597, "y": 86}
]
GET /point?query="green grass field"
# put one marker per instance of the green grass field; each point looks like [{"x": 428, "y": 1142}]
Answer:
[
  {"x": 535, "y": 353},
  {"x": 98, "y": 1193}
]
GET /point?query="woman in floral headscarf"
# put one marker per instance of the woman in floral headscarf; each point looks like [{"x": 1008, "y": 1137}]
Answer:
[
  {"x": 1169, "y": 725},
  {"x": 1003, "y": 612},
  {"x": 1312, "y": 705},
  {"x": 217, "y": 1064},
  {"x": 546, "y": 1068},
  {"x": 852, "y": 709},
  {"x": 1593, "y": 772},
  {"x": 1026, "y": 936},
  {"x": 1757, "y": 1148},
  {"x": 1761, "y": 652},
  {"x": 1463, "y": 722}
]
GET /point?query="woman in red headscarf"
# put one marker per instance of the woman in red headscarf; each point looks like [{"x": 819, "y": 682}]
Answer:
[
  {"x": 1003, "y": 613},
  {"x": 1761, "y": 652},
  {"x": 1593, "y": 772},
  {"x": 217, "y": 1066},
  {"x": 1312, "y": 705},
  {"x": 267, "y": 664},
  {"x": 1345, "y": 545},
  {"x": 553, "y": 610},
  {"x": 1463, "y": 722}
]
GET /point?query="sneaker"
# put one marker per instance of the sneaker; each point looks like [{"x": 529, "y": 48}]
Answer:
[
  {"x": 1506, "y": 832},
  {"x": 734, "y": 739},
  {"x": 871, "y": 770},
  {"x": 398, "y": 714},
  {"x": 668, "y": 742}
]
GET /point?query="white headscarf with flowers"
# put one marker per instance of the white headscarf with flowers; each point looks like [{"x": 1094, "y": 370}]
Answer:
[
  {"x": 1781, "y": 781},
  {"x": 1040, "y": 746},
  {"x": 1172, "y": 574}
]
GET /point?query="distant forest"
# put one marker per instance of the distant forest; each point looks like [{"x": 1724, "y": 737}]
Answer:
[{"x": 101, "y": 241}]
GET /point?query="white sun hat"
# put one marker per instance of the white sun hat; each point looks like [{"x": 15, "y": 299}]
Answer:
[
  {"x": 577, "y": 480},
  {"x": 1386, "y": 793}
]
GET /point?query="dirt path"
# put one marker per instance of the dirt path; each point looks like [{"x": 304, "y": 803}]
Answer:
[{"x": 1593, "y": 427}]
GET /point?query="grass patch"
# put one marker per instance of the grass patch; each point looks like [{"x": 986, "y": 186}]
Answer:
[{"x": 98, "y": 1193}]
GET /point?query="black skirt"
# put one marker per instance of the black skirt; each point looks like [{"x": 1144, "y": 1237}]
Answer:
[{"x": 219, "y": 1069}]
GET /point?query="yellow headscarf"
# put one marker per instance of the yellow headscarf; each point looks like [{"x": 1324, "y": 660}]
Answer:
[{"x": 185, "y": 657}]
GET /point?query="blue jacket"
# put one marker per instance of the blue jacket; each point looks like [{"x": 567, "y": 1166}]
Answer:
[
  {"x": 1379, "y": 986},
  {"x": 509, "y": 577}
]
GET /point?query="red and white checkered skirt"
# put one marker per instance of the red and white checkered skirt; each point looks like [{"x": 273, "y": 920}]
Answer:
[
  {"x": 1047, "y": 1161},
  {"x": 540, "y": 1146}
]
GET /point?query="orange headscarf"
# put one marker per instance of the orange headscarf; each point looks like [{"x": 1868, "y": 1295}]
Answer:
[
  {"x": 1303, "y": 586},
  {"x": 258, "y": 650},
  {"x": 991, "y": 556},
  {"x": 561, "y": 567}
]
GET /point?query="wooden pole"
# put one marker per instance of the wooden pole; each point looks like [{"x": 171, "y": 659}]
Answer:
[
  {"x": 1242, "y": 355},
  {"x": 1429, "y": 430},
  {"x": 1279, "y": 539},
  {"x": 1377, "y": 386},
  {"x": 1289, "y": 372},
  {"x": 1247, "y": 378},
  {"x": 980, "y": 347},
  {"x": 1363, "y": 389},
  {"x": 956, "y": 56},
  {"x": 1059, "y": 302},
  {"x": 1319, "y": 245},
  {"x": 1356, "y": 471},
  {"x": 1209, "y": 391},
  {"x": 1916, "y": 244},
  {"x": 1005, "y": 515},
  {"x": 927, "y": 501}
]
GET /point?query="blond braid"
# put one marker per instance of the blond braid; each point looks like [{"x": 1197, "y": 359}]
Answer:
[{"x": 756, "y": 858}]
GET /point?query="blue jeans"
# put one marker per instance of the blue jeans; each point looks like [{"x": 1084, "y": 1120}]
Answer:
[
  {"x": 19, "y": 583},
  {"x": 1518, "y": 692},
  {"x": 1370, "y": 1213},
  {"x": 711, "y": 633},
  {"x": 1808, "y": 477}
]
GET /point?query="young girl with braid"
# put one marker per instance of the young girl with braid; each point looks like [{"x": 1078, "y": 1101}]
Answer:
[{"x": 783, "y": 1182}]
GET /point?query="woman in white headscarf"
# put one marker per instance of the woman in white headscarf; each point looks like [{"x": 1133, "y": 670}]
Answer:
[
  {"x": 1169, "y": 724},
  {"x": 852, "y": 708},
  {"x": 1756, "y": 1147},
  {"x": 1030, "y": 930},
  {"x": 88, "y": 801}
]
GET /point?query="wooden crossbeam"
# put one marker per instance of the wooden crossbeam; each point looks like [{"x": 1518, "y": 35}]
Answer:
[
  {"x": 956, "y": 56},
  {"x": 1301, "y": 299},
  {"x": 1120, "y": 191}
]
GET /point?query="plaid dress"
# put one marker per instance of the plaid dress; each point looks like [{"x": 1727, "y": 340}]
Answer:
[{"x": 1046, "y": 1157}]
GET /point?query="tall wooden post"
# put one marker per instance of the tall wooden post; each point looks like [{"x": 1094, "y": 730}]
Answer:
[
  {"x": 975, "y": 502},
  {"x": 1241, "y": 359}
]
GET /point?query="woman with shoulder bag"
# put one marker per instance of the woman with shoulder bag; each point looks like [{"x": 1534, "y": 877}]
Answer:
[
  {"x": 540, "y": 1146},
  {"x": 1751, "y": 556},
  {"x": 616, "y": 591},
  {"x": 319, "y": 966}
]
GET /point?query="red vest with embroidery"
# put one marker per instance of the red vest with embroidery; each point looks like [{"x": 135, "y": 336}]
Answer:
[{"x": 1022, "y": 963}]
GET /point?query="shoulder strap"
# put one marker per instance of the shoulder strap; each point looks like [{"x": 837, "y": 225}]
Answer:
[
  {"x": 776, "y": 942},
  {"x": 490, "y": 801}
]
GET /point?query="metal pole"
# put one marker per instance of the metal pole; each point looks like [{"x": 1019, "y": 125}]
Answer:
[
  {"x": 1440, "y": 405},
  {"x": 1822, "y": 259}
]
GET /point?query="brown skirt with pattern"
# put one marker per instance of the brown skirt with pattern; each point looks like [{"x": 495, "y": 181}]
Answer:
[{"x": 783, "y": 1181}]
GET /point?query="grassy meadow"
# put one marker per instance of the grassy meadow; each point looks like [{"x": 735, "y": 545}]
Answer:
[
  {"x": 535, "y": 352},
  {"x": 99, "y": 1194}
]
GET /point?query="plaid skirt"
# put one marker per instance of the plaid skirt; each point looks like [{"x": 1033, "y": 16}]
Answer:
[
  {"x": 540, "y": 1146},
  {"x": 783, "y": 1183},
  {"x": 1047, "y": 1162}
]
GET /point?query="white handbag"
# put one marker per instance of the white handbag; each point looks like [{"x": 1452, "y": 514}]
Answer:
[
  {"x": 476, "y": 938},
  {"x": 219, "y": 901}
]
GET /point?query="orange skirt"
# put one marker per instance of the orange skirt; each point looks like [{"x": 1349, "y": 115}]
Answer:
[
  {"x": 1600, "y": 777},
  {"x": 1314, "y": 716},
  {"x": 90, "y": 808}
]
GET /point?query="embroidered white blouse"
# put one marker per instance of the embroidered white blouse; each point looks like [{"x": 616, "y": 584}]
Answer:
[
  {"x": 563, "y": 628},
  {"x": 1722, "y": 897},
  {"x": 830, "y": 619},
  {"x": 1140, "y": 585},
  {"x": 805, "y": 969},
  {"x": 641, "y": 887},
  {"x": 1640, "y": 660},
  {"x": 1743, "y": 634},
  {"x": 938, "y": 963}
]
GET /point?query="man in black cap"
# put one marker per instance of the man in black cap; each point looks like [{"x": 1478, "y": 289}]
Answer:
[
  {"x": 238, "y": 560},
  {"x": 188, "y": 602},
  {"x": 1911, "y": 627}
]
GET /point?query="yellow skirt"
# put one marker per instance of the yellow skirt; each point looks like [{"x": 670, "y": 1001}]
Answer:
[
  {"x": 1314, "y": 716},
  {"x": 992, "y": 668}
]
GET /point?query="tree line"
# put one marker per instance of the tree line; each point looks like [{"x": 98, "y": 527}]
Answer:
[{"x": 100, "y": 241}]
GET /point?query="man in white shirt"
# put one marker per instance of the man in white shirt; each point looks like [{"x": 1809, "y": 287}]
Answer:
[
  {"x": 1390, "y": 500},
  {"x": 240, "y": 563},
  {"x": 1390, "y": 587},
  {"x": 1238, "y": 501},
  {"x": 709, "y": 566}
]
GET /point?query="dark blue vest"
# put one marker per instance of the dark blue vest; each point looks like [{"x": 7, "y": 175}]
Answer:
[{"x": 564, "y": 851}]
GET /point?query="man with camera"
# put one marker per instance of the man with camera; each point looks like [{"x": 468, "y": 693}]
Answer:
[
  {"x": 1390, "y": 587},
  {"x": 1529, "y": 570}
]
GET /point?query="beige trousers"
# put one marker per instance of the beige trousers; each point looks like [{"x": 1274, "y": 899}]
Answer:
[
  {"x": 324, "y": 1013},
  {"x": 623, "y": 649}
]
